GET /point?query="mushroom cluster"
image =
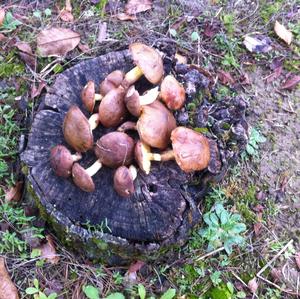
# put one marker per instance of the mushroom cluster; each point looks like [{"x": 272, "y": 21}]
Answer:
[{"x": 122, "y": 108}]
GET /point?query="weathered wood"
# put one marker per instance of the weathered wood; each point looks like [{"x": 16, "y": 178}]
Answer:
[{"x": 159, "y": 214}]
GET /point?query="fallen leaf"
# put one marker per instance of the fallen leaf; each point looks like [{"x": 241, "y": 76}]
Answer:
[
  {"x": 135, "y": 6},
  {"x": 225, "y": 77},
  {"x": 7, "y": 288},
  {"x": 244, "y": 79},
  {"x": 57, "y": 41},
  {"x": 102, "y": 32},
  {"x": 24, "y": 47},
  {"x": 14, "y": 194},
  {"x": 257, "y": 228},
  {"x": 210, "y": 30},
  {"x": 125, "y": 17},
  {"x": 66, "y": 16},
  {"x": 277, "y": 72},
  {"x": 2, "y": 37},
  {"x": 26, "y": 54},
  {"x": 258, "y": 44},
  {"x": 276, "y": 274},
  {"x": 36, "y": 91},
  {"x": 2, "y": 16},
  {"x": 283, "y": 33},
  {"x": 68, "y": 5},
  {"x": 291, "y": 82},
  {"x": 252, "y": 285},
  {"x": 131, "y": 274},
  {"x": 136, "y": 266},
  {"x": 84, "y": 48},
  {"x": 48, "y": 251},
  {"x": 297, "y": 258}
]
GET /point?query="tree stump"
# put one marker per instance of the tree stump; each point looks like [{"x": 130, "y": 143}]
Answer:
[{"x": 101, "y": 224}]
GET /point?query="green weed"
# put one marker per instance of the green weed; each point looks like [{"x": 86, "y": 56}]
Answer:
[
  {"x": 255, "y": 139},
  {"x": 36, "y": 292}
]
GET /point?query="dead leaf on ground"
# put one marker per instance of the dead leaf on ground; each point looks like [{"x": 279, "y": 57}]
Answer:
[
  {"x": 84, "y": 48},
  {"x": 252, "y": 285},
  {"x": 2, "y": 37},
  {"x": 277, "y": 72},
  {"x": 283, "y": 33},
  {"x": 14, "y": 194},
  {"x": 276, "y": 274},
  {"x": 2, "y": 16},
  {"x": 297, "y": 258},
  {"x": 66, "y": 12},
  {"x": 244, "y": 79},
  {"x": 257, "y": 228},
  {"x": 225, "y": 77},
  {"x": 7, "y": 288},
  {"x": 125, "y": 17},
  {"x": 135, "y": 6},
  {"x": 26, "y": 54},
  {"x": 257, "y": 44},
  {"x": 36, "y": 91},
  {"x": 57, "y": 41},
  {"x": 48, "y": 251},
  {"x": 102, "y": 32},
  {"x": 131, "y": 274},
  {"x": 210, "y": 30},
  {"x": 291, "y": 82}
]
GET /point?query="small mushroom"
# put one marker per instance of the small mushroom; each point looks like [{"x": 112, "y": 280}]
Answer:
[
  {"x": 148, "y": 63},
  {"x": 112, "y": 110},
  {"x": 123, "y": 180},
  {"x": 143, "y": 156},
  {"x": 89, "y": 96},
  {"x": 115, "y": 149},
  {"x": 83, "y": 177},
  {"x": 134, "y": 101},
  {"x": 172, "y": 93},
  {"x": 112, "y": 80},
  {"x": 62, "y": 160},
  {"x": 77, "y": 129}
]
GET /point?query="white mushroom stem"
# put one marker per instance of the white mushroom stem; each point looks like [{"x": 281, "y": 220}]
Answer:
[
  {"x": 154, "y": 157},
  {"x": 133, "y": 172},
  {"x": 133, "y": 75},
  {"x": 167, "y": 155},
  {"x": 76, "y": 157},
  {"x": 98, "y": 97},
  {"x": 94, "y": 121},
  {"x": 94, "y": 168},
  {"x": 149, "y": 97}
]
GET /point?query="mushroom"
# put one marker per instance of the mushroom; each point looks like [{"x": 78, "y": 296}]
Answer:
[
  {"x": 77, "y": 129},
  {"x": 112, "y": 80},
  {"x": 115, "y": 149},
  {"x": 172, "y": 93},
  {"x": 143, "y": 156},
  {"x": 62, "y": 160},
  {"x": 89, "y": 96},
  {"x": 134, "y": 101},
  {"x": 148, "y": 63},
  {"x": 83, "y": 177},
  {"x": 123, "y": 180},
  {"x": 112, "y": 110}
]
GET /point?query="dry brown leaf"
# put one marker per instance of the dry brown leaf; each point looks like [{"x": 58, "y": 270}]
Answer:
[
  {"x": 283, "y": 33},
  {"x": 2, "y": 37},
  {"x": 7, "y": 288},
  {"x": 48, "y": 251},
  {"x": 14, "y": 194},
  {"x": 84, "y": 48},
  {"x": 125, "y": 17},
  {"x": 26, "y": 54},
  {"x": 252, "y": 285},
  {"x": 57, "y": 41},
  {"x": 277, "y": 72},
  {"x": 225, "y": 77},
  {"x": 102, "y": 32},
  {"x": 66, "y": 12},
  {"x": 24, "y": 47},
  {"x": 297, "y": 258},
  {"x": 36, "y": 91},
  {"x": 2, "y": 16},
  {"x": 135, "y": 6},
  {"x": 257, "y": 228},
  {"x": 291, "y": 82}
]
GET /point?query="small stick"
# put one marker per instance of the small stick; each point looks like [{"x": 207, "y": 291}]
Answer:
[
  {"x": 239, "y": 279},
  {"x": 210, "y": 253}
]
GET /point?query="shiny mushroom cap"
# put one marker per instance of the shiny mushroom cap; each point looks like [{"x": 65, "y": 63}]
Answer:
[
  {"x": 62, "y": 160},
  {"x": 88, "y": 96},
  {"x": 172, "y": 93},
  {"x": 148, "y": 60},
  {"x": 111, "y": 81},
  {"x": 141, "y": 154},
  {"x": 77, "y": 131},
  {"x": 112, "y": 110},
  {"x": 132, "y": 101},
  {"x": 155, "y": 125},
  {"x": 82, "y": 179},
  {"x": 124, "y": 180},
  {"x": 115, "y": 149},
  {"x": 191, "y": 149}
]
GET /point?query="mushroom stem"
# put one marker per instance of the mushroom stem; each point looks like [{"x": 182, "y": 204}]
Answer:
[
  {"x": 98, "y": 97},
  {"x": 167, "y": 155},
  {"x": 128, "y": 125},
  {"x": 133, "y": 171},
  {"x": 154, "y": 157},
  {"x": 76, "y": 157},
  {"x": 149, "y": 97},
  {"x": 94, "y": 168},
  {"x": 94, "y": 121},
  {"x": 133, "y": 75}
]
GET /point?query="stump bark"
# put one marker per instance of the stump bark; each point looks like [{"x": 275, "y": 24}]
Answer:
[{"x": 103, "y": 225}]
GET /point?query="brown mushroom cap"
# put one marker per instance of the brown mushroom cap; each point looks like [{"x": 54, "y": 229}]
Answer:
[
  {"x": 124, "y": 181},
  {"x": 77, "y": 131},
  {"x": 62, "y": 160},
  {"x": 112, "y": 80},
  {"x": 82, "y": 179},
  {"x": 88, "y": 96},
  {"x": 148, "y": 60},
  {"x": 132, "y": 101},
  {"x": 172, "y": 93},
  {"x": 191, "y": 149},
  {"x": 112, "y": 110},
  {"x": 155, "y": 125},
  {"x": 115, "y": 149}
]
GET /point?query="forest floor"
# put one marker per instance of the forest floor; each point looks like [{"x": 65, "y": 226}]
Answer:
[{"x": 263, "y": 187}]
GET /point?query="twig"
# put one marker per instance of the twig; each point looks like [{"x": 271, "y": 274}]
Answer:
[
  {"x": 239, "y": 279},
  {"x": 210, "y": 253}
]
